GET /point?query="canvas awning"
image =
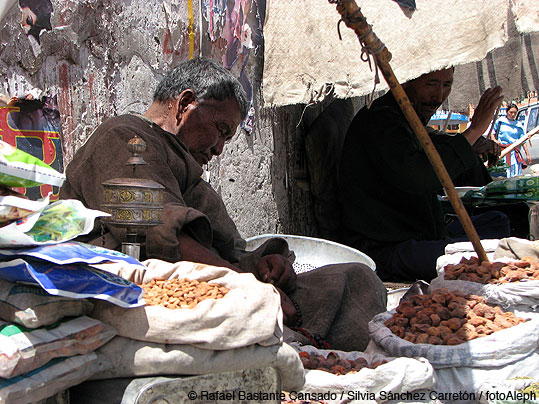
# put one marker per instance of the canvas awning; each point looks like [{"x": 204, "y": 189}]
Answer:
[{"x": 304, "y": 59}]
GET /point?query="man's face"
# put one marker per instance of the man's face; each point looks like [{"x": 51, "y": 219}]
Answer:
[
  {"x": 428, "y": 92},
  {"x": 207, "y": 125}
]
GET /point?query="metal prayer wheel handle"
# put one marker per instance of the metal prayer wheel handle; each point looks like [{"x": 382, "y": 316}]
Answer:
[
  {"x": 354, "y": 19},
  {"x": 136, "y": 147}
]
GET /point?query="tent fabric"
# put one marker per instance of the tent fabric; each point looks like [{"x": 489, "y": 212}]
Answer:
[
  {"x": 513, "y": 67},
  {"x": 526, "y": 14},
  {"x": 304, "y": 59}
]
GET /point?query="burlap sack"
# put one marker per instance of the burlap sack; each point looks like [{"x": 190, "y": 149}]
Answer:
[
  {"x": 368, "y": 385},
  {"x": 136, "y": 358},
  {"x": 498, "y": 349},
  {"x": 250, "y": 313}
]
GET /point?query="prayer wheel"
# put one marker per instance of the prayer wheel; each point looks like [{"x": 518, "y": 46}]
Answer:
[{"x": 134, "y": 204}]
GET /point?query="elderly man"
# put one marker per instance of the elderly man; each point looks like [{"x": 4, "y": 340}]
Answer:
[
  {"x": 388, "y": 189},
  {"x": 197, "y": 108}
]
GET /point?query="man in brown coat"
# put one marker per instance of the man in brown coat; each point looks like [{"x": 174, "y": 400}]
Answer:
[{"x": 197, "y": 108}]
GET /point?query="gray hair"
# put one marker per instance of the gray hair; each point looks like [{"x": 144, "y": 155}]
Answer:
[{"x": 206, "y": 78}]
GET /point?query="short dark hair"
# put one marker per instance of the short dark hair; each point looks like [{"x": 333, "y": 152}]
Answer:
[
  {"x": 206, "y": 78},
  {"x": 512, "y": 105}
]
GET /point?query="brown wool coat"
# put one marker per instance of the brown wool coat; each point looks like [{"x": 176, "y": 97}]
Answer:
[{"x": 336, "y": 301}]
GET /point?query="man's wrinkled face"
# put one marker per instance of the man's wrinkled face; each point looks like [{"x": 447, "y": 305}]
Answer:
[
  {"x": 207, "y": 125},
  {"x": 428, "y": 92}
]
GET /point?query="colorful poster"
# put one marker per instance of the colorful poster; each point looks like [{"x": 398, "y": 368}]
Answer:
[
  {"x": 34, "y": 126},
  {"x": 235, "y": 30}
]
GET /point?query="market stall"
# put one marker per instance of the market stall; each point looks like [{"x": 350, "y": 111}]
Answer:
[
  {"x": 133, "y": 327},
  {"x": 87, "y": 318}
]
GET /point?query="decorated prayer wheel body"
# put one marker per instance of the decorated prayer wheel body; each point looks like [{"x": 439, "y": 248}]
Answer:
[{"x": 133, "y": 203}]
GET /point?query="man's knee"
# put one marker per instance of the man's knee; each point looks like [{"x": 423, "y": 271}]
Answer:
[{"x": 492, "y": 224}]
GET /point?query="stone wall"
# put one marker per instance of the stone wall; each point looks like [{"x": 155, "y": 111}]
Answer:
[{"x": 104, "y": 57}]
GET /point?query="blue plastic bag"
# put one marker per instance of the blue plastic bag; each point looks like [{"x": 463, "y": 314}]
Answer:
[
  {"x": 73, "y": 280},
  {"x": 69, "y": 253}
]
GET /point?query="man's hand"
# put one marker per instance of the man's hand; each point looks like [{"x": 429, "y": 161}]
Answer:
[
  {"x": 290, "y": 315},
  {"x": 488, "y": 150},
  {"x": 277, "y": 270},
  {"x": 483, "y": 114}
]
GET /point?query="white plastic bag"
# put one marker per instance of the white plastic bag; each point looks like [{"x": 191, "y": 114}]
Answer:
[
  {"x": 20, "y": 169},
  {"x": 15, "y": 208},
  {"x": 60, "y": 221}
]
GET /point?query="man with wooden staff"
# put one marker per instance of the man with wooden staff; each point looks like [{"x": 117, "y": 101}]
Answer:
[{"x": 388, "y": 190}]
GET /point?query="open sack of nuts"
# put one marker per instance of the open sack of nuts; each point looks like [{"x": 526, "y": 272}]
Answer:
[
  {"x": 453, "y": 329},
  {"x": 360, "y": 377},
  {"x": 510, "y": 279},
  {"x": 196, "y": 304}
]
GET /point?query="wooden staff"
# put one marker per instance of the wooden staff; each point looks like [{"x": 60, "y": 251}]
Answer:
[
  {"x": 520, "y": 141},
  {"x": 354, "y": 19},
  {"x": 494, "y": 119},
  {"x": 446, "y": 123}
]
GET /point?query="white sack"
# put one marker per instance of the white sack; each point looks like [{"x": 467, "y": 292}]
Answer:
[
  {"x": 489, "y": 245},
  {"x": 498, "y": 349},
  {"x": 507, "y": 295},
  {"x": 526, "y": 15},
  {"x": 22, "y": 350},
  {"x": 136, "y": 358},
  {"x": 472, "y": 379},
  {"x": 399, "y": 375},
  {"x": 250, "y": 313},
  {"x": 33, "y": 307},
  {"x": 48, "y": 380}
]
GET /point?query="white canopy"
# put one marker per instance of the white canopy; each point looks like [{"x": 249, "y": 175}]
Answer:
[{"x": 304, "y": 58}]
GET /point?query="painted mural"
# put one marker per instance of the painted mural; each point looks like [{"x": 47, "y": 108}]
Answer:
[
  {"x": 36, "y": 17},
  {"x": 234, "y": 28},
  {"x": 34, "y": 126}
]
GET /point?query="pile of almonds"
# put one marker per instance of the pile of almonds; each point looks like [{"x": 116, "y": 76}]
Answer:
[
  {"x": 448, "y": 318},
  {"x": 333, "y": 363},
  {"x": 485, "y": 272},
  {"x": 180, "y": 293}
]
